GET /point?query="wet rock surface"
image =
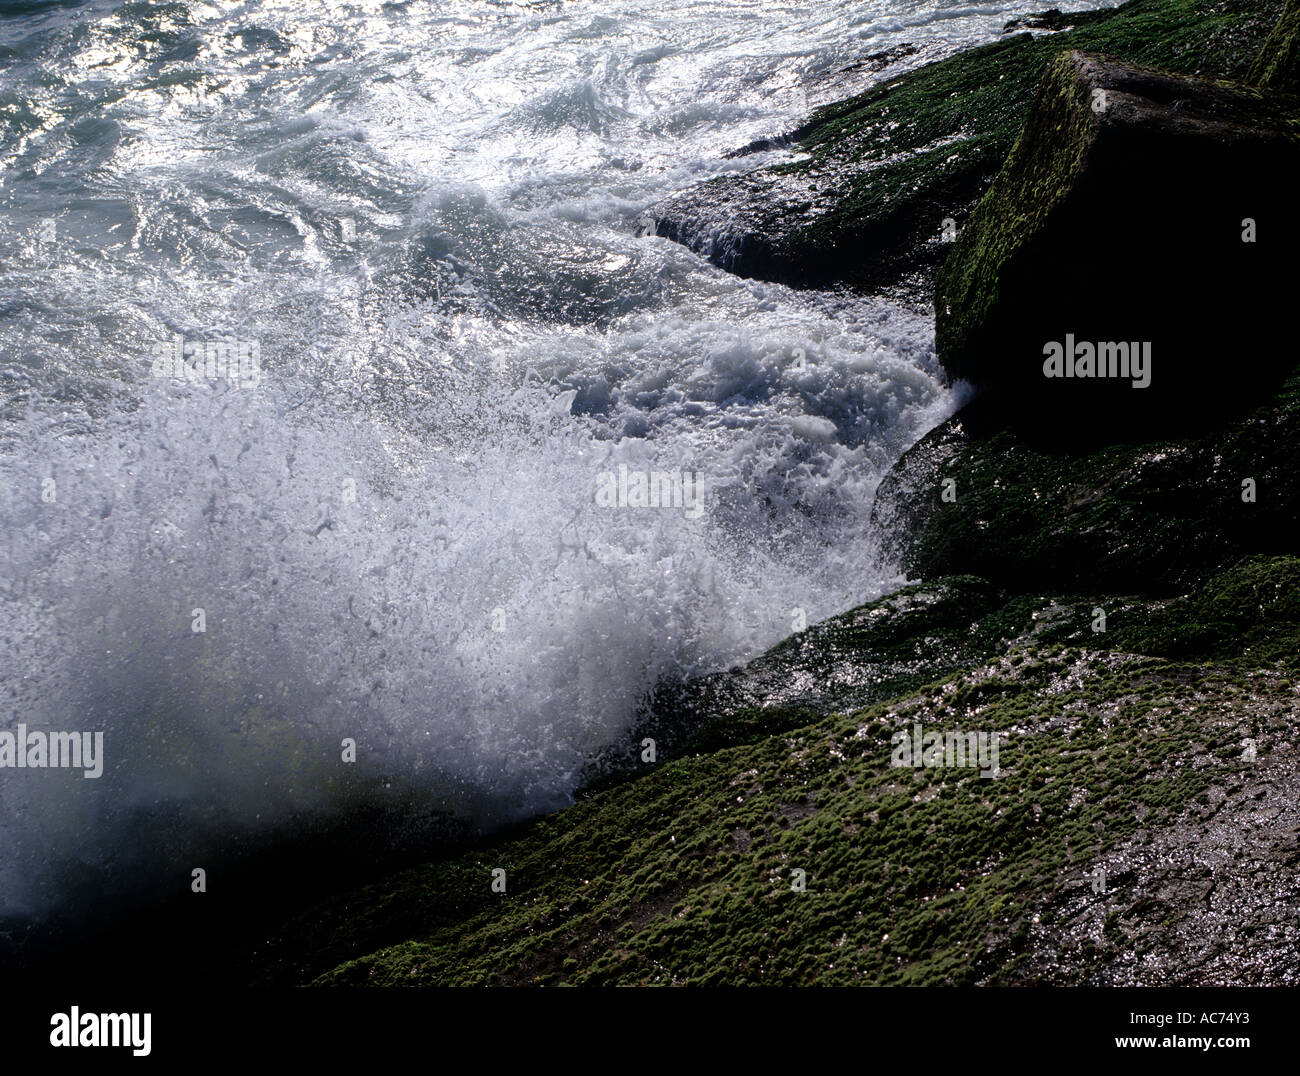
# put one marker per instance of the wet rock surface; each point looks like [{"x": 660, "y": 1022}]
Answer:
[
  {"x": 1210, "y": 900},
  {"x": 974, "y": 496},
  {"x": 1052, "y": 19},
  {"x": 1129, "y": 246},
  {"x": 858, "y": 196}
]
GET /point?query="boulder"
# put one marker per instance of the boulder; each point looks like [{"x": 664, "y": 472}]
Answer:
[
  {"x": 878, "y": 181},
  {"x": 1051, "y": 19},
  {"x": 1126, "y": 272},
  {"x": 977, "y": 497}
]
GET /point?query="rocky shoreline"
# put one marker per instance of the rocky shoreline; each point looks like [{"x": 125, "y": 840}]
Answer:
[
  {"x": 863, "y": 205},
  {"x": 1117, "y": 602}
]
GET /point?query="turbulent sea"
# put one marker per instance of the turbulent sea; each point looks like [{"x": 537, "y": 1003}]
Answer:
[{"x": 421, "y": 221}]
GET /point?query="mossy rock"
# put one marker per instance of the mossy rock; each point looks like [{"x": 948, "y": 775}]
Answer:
[
  {"x": 1250, "y": 614},
  {"x": 1129, "y": 248},
  {"x": 1278, "y": 65},
  {"x": 880, "y": 172},
  {"x": 1154, "y": 517},
  {"x": 909, "y": 876}
]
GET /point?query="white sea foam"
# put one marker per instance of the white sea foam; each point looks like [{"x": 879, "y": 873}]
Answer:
[{"x": 393, "y": 536}]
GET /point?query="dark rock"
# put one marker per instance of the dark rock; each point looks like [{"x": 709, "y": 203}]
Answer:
[
  {"x": 863, "y": 206},
  {"x": 850, "y": 661},
  {"x": 878, "y": 61},
  {"x": 760, "y": 145},
  {"x": 1119, "y": 216},
  {"x": 1151, "y": 517},
  {"x": 739, "y": 222},
  {"x": 1044, "y": 20}
]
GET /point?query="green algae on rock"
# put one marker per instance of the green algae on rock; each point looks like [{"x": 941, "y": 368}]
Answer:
[
  {"x": 864, "y": 205},
  {"x": 1128, "y": 249},
  {"x": 1155, "y": 516},
  {"x": 911, "y": 876},
  {"x": 1278, "y": 65}
]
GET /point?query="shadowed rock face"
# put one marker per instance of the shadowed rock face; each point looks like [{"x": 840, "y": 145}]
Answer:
[
  {"x": 1155, "y": 516},
  {"x": 1122, "y": 224}
]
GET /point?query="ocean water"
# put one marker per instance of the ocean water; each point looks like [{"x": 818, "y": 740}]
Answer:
[{"x": 419, "y": 223}]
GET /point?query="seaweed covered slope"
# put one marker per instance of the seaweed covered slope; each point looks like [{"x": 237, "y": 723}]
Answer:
[
  {"x": 1141, "y": 828},
  {"x": 864, "y": 205}
]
